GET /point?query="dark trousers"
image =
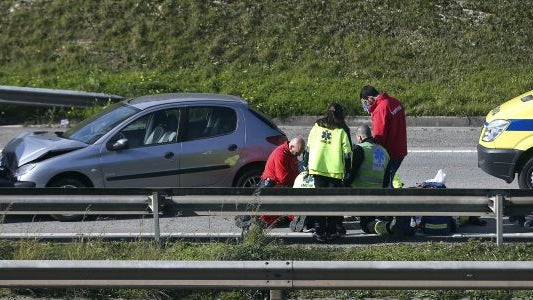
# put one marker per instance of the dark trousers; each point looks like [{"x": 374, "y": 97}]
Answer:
[
  {"x": 328, "y": 224},
  {"x": 390, "y": 171}
]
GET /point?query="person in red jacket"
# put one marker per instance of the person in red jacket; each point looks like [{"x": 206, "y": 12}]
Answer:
[
  {"x": 389, "y": 127},
  {"x": 281, "y": 170},
  {"x": 282, "y": 165}
]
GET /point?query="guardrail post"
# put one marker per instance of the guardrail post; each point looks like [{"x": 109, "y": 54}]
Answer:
[
  {"x": 155, "y": 212},
  {"x": 498, "y": 209}
]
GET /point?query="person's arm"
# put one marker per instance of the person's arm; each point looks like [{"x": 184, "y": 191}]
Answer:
[
  {"x": 348, "y": 133},
  {"x": 358, "y": 158},
  {"x": 347, "y": 149},
  {"x": 379, "y": 130}
]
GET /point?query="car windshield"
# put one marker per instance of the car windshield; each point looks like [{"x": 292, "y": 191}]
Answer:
[{"x": 91, "y": 129}]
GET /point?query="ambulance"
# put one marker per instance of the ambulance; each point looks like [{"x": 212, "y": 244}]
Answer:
[{"x": 506, "y": 142}]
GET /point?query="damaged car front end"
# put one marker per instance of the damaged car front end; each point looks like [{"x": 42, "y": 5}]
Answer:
[{"x": 28, "y": 152}]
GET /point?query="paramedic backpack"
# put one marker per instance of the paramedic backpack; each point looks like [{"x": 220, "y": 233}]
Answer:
[{"x": 437, "y": 225}]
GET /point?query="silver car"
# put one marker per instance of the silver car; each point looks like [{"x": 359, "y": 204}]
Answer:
[{"x": 166, "y": 140}]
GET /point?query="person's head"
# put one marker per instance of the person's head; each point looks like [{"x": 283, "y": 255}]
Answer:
[
  {"x": 297, "y": 146},
  {"x": 334, "y": 116},
  {"x": 368, "y": 96},
  {"x": 363, "y": 132}
]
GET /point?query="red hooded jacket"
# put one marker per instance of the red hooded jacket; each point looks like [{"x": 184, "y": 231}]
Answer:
[{"x": 389, "y": 127}]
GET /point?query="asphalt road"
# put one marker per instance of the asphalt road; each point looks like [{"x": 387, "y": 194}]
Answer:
[{"x": 452, "y": 149}]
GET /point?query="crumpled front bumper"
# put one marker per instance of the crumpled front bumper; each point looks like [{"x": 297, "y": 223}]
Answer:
[
  {"x": 9, "y": 181},
  {"x": 16, "y": 184}
]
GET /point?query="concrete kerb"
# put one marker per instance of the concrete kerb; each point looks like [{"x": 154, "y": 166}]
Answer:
[{"x": 354, "y": 121}]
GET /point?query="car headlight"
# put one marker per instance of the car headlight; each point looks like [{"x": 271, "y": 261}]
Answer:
[
  {"x": 494, "y": 129},
  {"x": 23, "y": 170}
]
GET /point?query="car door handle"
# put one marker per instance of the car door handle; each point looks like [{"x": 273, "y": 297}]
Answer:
[
  {"x": 232, "y": 147},
  {"x": 169, "y": 154}
]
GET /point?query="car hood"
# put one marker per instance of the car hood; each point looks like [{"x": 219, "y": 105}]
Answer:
[
  {"x": 520, "y": 107},
  {"x": 31, "y": 146}
]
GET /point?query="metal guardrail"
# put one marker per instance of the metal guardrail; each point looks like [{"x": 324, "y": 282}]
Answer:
[
  {"x": 269, "y": 275},
  {"x": 238, "y": 201},
  {"x": 53, "y": 97},
  {"x": 362, "y": 202},
  {"x": 424, "y": 275},
  {"x": 45, "y": 201}
]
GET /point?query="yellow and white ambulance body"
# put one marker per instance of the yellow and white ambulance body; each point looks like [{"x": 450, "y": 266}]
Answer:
[{"x": 506, "y": 143}]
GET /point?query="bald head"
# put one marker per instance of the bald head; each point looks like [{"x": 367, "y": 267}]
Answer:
[
  {"x": 297, "y": 145},
  {"x": 363, "y": 132}
]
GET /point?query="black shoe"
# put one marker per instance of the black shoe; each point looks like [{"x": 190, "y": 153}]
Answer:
[{"x": 297, "y": 224}]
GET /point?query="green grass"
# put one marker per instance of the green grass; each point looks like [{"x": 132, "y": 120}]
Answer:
[
  {"x": 454, "y": 58},
  {"x": 259, "y": 247}
]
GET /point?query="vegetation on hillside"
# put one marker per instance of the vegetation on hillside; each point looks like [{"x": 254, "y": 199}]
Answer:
[{"x": 440, "y": 57}]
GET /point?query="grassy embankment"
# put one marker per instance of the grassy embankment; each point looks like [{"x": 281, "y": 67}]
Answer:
[
  {"x": 258, "y": 247},
  {"x": 286, "y": 58}
]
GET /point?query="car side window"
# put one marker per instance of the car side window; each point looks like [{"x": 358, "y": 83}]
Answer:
[
  {"x": 209, "y": 121},
  {"x": 159, "y": 127}
]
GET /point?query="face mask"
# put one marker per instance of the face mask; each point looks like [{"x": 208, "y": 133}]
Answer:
[{"x": 366, "y": 105}]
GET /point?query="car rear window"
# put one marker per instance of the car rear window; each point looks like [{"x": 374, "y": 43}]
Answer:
[{"x": 264, "y": 118}]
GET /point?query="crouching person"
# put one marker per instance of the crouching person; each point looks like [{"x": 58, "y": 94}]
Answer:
[
  {"x": 280, "y": 170},
  {"x": 369, "y": 163}
]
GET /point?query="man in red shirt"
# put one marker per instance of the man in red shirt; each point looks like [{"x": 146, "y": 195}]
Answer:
[
  {"x": 389, "y": 127},
  {"x": 282, "y": 165},
  {"x": 281, "y": 169}
]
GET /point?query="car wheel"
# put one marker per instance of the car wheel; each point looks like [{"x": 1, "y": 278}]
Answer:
[
  {"x": 68, "y": 183},
  {"x": 249, "y": 178},
  {"x": 525, "y": 178}
]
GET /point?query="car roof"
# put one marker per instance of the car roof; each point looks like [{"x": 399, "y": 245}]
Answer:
[{"x": 160, "y": 99}]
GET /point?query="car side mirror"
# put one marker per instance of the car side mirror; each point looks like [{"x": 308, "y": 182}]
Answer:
[{"x": 119, "y": 144}]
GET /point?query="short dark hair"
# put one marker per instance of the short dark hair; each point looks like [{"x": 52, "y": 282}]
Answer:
[
  {"x": 367, "y": 91},
  {"x": 364, "y": 131}
]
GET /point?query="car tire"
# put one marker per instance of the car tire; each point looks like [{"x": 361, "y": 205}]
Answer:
[
  {"x": 68, "y": 183},
  {"x": 525, "y": 178},
  {"x": 249, "y": 178}
]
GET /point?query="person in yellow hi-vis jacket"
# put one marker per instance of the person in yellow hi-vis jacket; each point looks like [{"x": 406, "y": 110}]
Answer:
[
  {"x": 329, "y": 154},
  {"x": 369, "y": 162}
]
